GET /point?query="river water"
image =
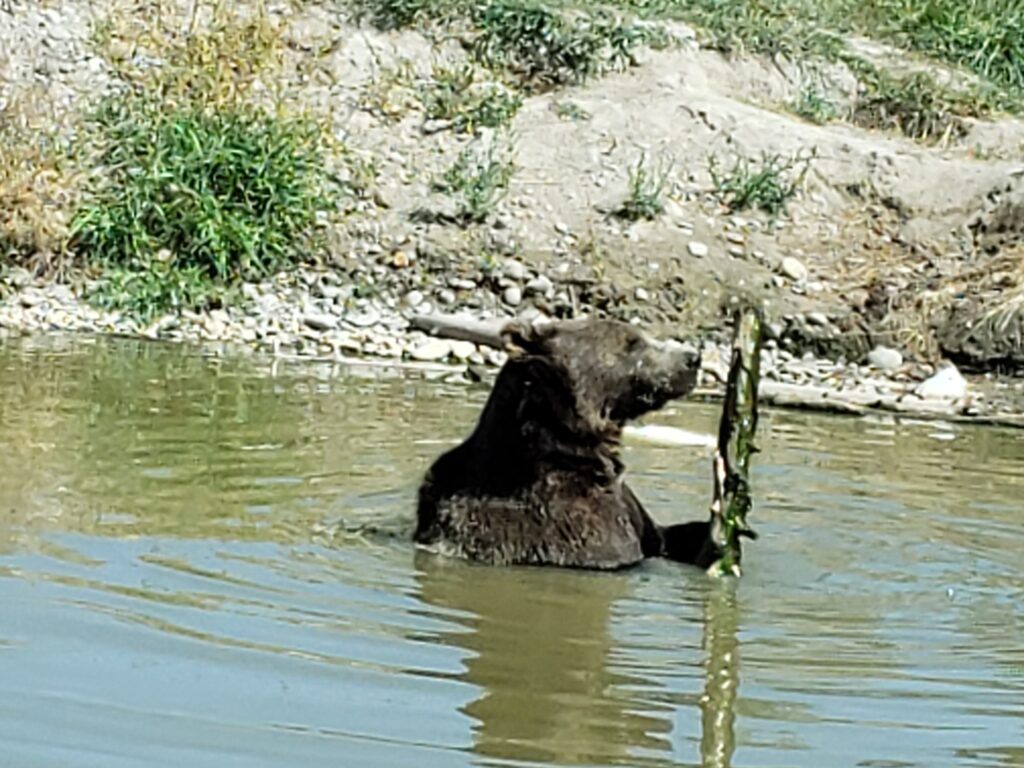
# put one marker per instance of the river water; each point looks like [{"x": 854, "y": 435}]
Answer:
[{"x": 204, "y": 562}]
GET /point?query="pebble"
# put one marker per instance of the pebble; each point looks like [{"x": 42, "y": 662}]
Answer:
[
  {"x": 946, "y": 384},
  {"x": 817, "y": 318},
  {"x": 364, "y": 319},
  {"x": 413, "y": 298},
  {"x": 320, "y": 322},
  {"x": 463, "y": 350},
  {"x": 514, "y": 270},
  {"x": 885, "y": 358},
  {"x": 697, "y": 249},
  {"x": 512, "y": 296},
  {"x": 431, "y": 350},
  {"x": 31, "y": 298},
  {"x": 541, "y": 285},
  {"x": 794, "y": 269}
]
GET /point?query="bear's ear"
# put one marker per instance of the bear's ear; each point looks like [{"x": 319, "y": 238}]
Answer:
[{"x": 523, "y": 338}]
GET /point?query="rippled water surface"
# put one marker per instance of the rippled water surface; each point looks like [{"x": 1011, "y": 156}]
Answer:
[{"x": 186, "y": 579}]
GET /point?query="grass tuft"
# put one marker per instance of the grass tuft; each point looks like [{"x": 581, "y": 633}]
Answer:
[
  {"x": 478, "y": 180},
  {"x": 227, "y": 194},
  {"x": 456, "y": 95},
  {"x": 814, "y": 106},
  {"x": 768, "y": 184},
  {"x": 646, "y": 192},
  {"x": 541, "y": 45}
]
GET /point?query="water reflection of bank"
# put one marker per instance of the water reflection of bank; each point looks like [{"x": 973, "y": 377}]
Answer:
[{"x": 553, "y": 686}]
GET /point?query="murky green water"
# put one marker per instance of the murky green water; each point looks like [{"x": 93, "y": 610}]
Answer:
[{"x": 175, "y": 589}]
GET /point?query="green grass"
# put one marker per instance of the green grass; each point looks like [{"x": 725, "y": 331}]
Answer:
[
  {"x": 570, "y": 110},
  {"x": 477, "y": 181},
  {"x": 540, "y": 44},
  {"x": 767, "y": 184},
  {"x": 646, "y": 198},
  {"x": 914, "y": 105},
  {"x": 195, "y": 201},
  {"x": 544, "y": 46},
  {"x": 456, "y": 95},
  {"x": 814, "y": 106},
  {"x": 984, "y": 37}
]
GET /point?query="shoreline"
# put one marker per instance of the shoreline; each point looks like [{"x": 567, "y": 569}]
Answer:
[{"x": 285, "y": 320}]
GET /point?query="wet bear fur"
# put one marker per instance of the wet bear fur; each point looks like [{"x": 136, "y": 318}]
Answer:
[{"x": 540, "y": 479}]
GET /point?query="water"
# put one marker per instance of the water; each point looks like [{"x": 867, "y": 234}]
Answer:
[{"x": 184, "y": 581}]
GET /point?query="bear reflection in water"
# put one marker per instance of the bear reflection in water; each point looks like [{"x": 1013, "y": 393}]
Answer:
[
  {"x": 540, "y": 481},
  {"x": 538, "y": 649},
  {"x": 557, "y": 684}
]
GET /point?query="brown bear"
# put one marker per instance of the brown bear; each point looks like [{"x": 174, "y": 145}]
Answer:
[{"x": 540, "y": 481}]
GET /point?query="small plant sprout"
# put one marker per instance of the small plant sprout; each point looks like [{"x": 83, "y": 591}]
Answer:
[
  {"x": 647, "y": 188},
  {"x": 767, "y": 184}
]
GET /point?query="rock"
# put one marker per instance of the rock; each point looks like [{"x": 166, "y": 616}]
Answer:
[
  {"x": 413, "y": 298},
  {"x": 446, "y": 296},
  {"x": 697, "y": 249},
  {"x": 794, "y": 269},
  {"x": 431, "y": 350},
  {"x": 540, "y": 284},
  {"x": 512, "y": 296},
  {"x": 462, "y": 350},
  {"x": 319, "y": 321},
  {"x": 641, "y": 294},
  {"x": 364, "y": 319},
  {"x": 30, "y": 297},
  {"x": 514, "y": 270},
  {"x": 817, "y": 318},
  {"x": 945, "y": 384},
  {"x": 885, "y": 358}
]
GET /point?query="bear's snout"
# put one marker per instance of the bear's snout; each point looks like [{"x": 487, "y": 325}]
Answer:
[{"x": 676, "y": 366}]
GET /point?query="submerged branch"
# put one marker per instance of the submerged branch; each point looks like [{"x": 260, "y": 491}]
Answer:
[{"x": 731, "y": 501}]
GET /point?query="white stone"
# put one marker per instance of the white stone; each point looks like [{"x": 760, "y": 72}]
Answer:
[
  {"x": 946, "y": 384},
  {"x": 885, "y": 358},
  {"x": 432, "y": 350},
  {"x": 462, "y": 350},
  {"x": 541, "y": 285},
  {"x": 514, "y": 270},
  {"x": 794, "y": 269},
  {"x": 319, "y": 321},
  {"x": 697, "y": 249}
]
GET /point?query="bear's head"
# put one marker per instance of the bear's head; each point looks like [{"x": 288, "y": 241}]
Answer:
[{"x": 597, "y": 374}]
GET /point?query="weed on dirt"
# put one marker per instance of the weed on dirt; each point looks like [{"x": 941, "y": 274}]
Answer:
[
  {"x": 647, "y": 187},
  {"x": 478, "y": 180},
  {"x": 768, "y": 183}
]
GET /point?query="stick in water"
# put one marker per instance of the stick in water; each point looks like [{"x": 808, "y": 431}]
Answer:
[{"x": 731, "y": 500}]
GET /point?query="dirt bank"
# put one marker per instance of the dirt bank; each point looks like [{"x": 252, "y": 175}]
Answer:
[{"x": 886, "y": 240}]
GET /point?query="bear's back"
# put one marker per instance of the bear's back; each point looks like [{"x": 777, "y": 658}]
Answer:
[{"x": 553, "y": 522}]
